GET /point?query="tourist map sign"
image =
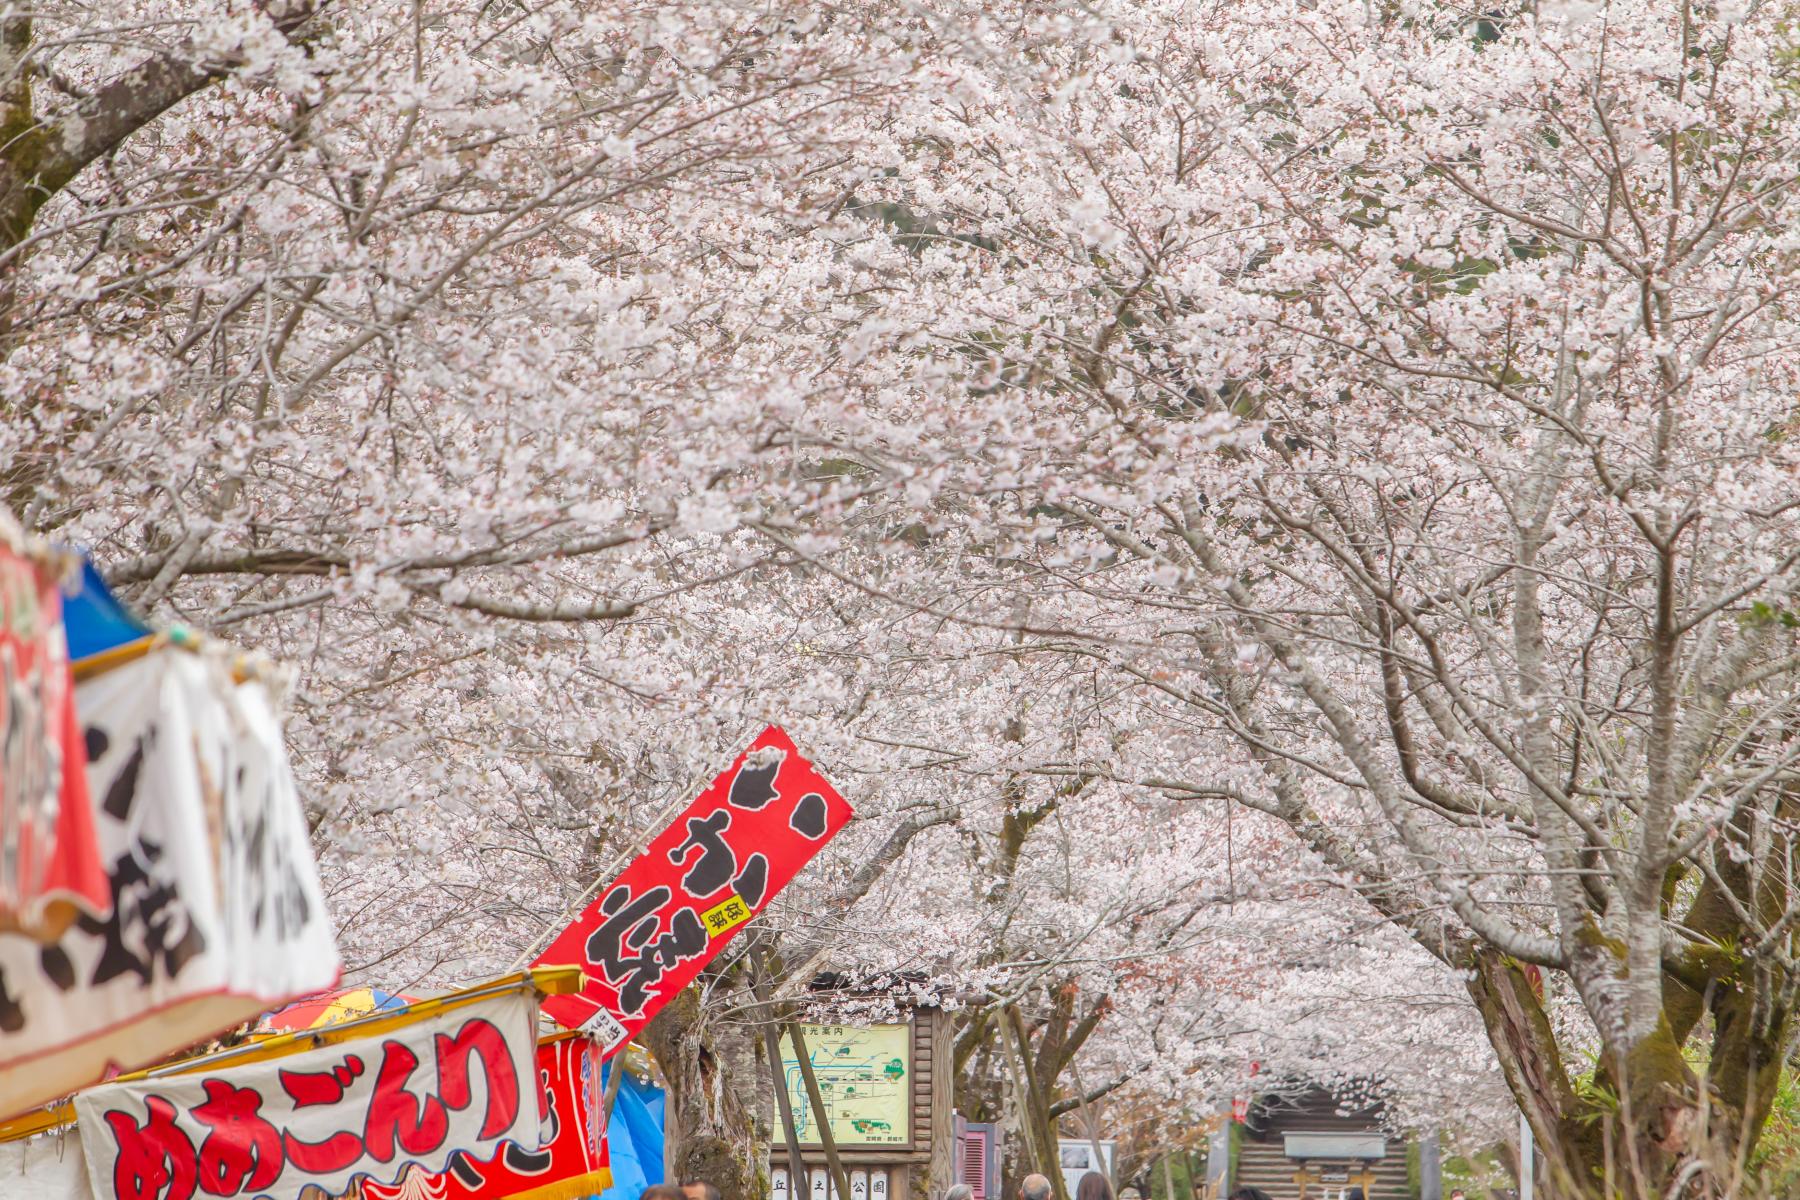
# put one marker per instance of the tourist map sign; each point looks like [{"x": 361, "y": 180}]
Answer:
[{"x": 865, "y": 1080}]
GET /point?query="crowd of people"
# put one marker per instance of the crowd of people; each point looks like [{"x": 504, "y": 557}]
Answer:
[{"x": 1093, "y": 1186}]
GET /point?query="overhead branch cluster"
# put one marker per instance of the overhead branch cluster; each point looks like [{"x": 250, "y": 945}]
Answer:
[{"x": 1282, "y": 516}]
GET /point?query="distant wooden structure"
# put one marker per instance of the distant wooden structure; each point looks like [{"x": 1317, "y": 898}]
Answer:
[
  {"x": 1306, "y": 1146},
  {"x": 921, "y": 1167}
]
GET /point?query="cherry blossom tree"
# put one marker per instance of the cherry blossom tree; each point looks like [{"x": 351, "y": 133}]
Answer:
[
  {"x": 1176, "y": 466},
  {"x": 389, "y": 338},
  {"x": 392, "y": 338},
  {"x": 1396, "y": 409},
  {"x": 1105, "y": 946}
]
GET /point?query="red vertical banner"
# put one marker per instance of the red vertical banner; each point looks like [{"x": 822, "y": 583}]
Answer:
[
  {"x": 50, "y": 867},
  {"x": 676, "y": 905}
]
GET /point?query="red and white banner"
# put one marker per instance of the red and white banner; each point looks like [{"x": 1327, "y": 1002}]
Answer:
[
  {"x": 460, "y": 1083},
  {"x": 570, "y": 1163},
  {"x": 49, "y": 861},
  {"x": 217, "y": 914},
  {"x": 677, "y": 904}
]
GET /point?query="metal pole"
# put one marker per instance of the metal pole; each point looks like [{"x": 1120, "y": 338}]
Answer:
[
  {"x": 1431, "y": 1165},
  {"x": 1527, "y": 1167},
  {"x": 1218, "y": 1153}
]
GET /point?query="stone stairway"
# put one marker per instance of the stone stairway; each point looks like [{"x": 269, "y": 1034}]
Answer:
[{"x": 1264, "y": 1165}]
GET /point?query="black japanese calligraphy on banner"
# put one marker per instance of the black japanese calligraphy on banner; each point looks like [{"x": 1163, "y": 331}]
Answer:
[
  {"x": 461, "y": 1083},
  {"x": 676, "y": 905},
  {"x": 216, "y": 913}
]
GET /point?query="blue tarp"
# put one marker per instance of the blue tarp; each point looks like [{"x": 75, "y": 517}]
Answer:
[
  {"x": 94, "y": 620},
  {"x": 634, "y": 1138}
]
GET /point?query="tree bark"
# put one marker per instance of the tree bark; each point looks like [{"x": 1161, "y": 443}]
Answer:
[
  {"x": 711, "y": 1134},
  {"x": 1646, "y": 1120}
]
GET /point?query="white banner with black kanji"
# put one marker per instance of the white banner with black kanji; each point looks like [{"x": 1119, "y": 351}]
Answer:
[{"x": 217, "y": 912}]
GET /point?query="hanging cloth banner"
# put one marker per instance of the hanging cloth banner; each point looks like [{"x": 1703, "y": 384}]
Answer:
[
  {"x": 44, "y": 1168},
  {"x": 458, "y": 1083},
  {"x": 677, "y": 904},
  {"x": 216, "y": 912},
  {"x": 572, "y": 1161},
  {"x": 50, "y": 869}
]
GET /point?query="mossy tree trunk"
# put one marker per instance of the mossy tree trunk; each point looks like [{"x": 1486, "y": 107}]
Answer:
[{"x": 1646, "y": 1120}]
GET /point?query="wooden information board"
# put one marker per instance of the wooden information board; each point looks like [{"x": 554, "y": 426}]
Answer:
[{"x": 887, "y": 1090}]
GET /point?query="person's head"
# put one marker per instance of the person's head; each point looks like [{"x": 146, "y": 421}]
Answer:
[
  {"x": 1458, "y": 1194},
  {"x": 1249, "y": 1193},
  {"x": 1093, "y": 1186},
  {"x": 663, "y": 1191},
  {"x": 960, "y": 1191},
  {"x": 699, "y": 1189},
  {"x": 1034, "y": 1187}
]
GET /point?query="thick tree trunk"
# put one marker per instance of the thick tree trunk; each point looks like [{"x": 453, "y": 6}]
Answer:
[
  {"x": 712, "y": 1134},
  {"x": 1648, "y": 1123},
  {"x": 1532, "y": 1065}
]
